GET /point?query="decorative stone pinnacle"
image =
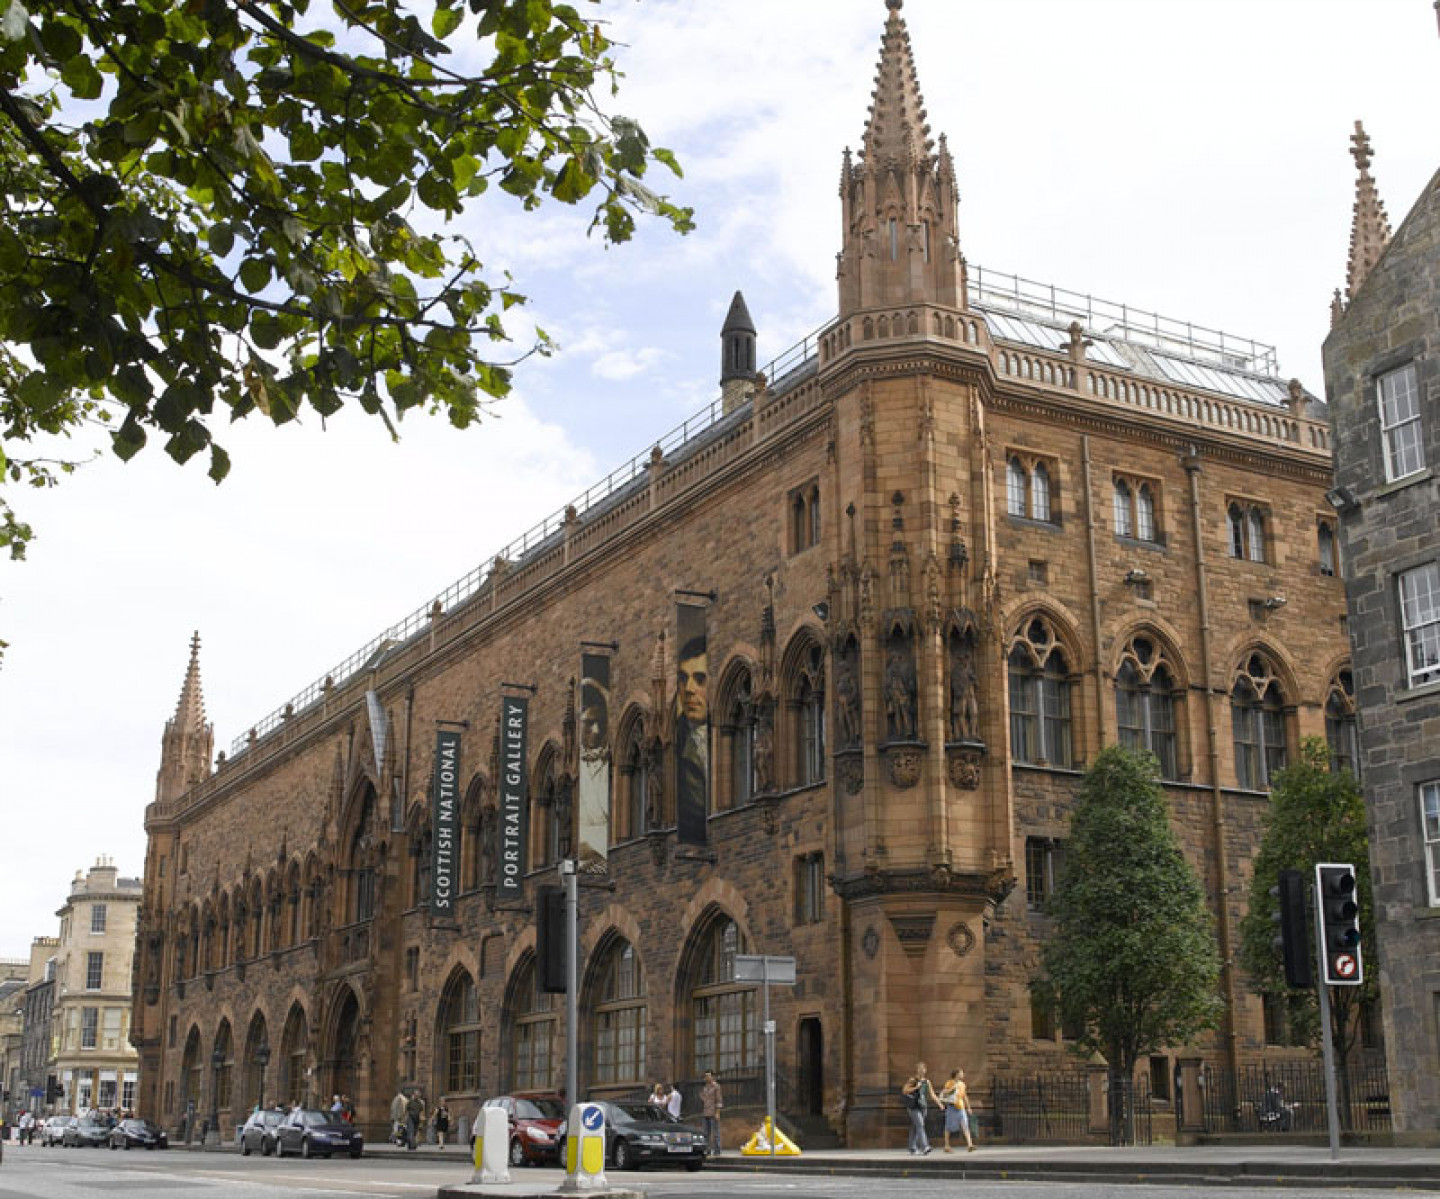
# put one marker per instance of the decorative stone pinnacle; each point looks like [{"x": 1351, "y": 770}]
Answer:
[
  {"x": 1360, "y": 147},
  {"x": 1370, "y": 227}
]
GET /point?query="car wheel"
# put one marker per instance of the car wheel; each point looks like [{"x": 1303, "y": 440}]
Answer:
[
  {"x": 244, "y": 1146},
  {"x": 624, "y": 1156},
  {"x": 113, "y": 1145},
  {"x": 126, "y": 1146},
  {"x": 517, "y": 1153},
  {"x": 356, "y": 1151},
  {"x": 279, "y": 1147},
  {"x": 695, "y": 1165},
  {"x": 267, "y": 1147},
  {"x": 305, "y": 1148}
]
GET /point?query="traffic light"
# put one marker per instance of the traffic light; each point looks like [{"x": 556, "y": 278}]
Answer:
[
  {"x": 550, "y": 939},
  {"x": 52, "y": 1090},
  {"x": 1339, "y": 916},
  {"x": 1293, "y": 938}
]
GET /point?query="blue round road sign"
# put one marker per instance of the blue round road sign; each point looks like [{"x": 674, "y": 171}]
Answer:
[{"x": 591, "y": 1119}]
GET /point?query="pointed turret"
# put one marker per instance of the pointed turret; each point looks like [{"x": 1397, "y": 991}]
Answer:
[
  {"x": 1370, "y": 227},
  {"x": 188, "y": 741},
  {"x": 737, "y": 354},
  {"x": 899, "y": 196}
]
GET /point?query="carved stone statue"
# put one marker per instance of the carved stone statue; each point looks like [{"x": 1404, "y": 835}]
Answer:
[
  {"x": 847, "y": 701},
  {"x": 964, "y": 707},
  {"x": 764, "y": 753},
  {"x": 563, "y": 808},
  {"x": 899, "y": 695},
  {"x": 655, "y": 791}
]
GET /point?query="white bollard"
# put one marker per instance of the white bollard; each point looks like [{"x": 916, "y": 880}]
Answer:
[
  {"x": 585, "y": 1149},
  {"x": 492, "y": 1146}
]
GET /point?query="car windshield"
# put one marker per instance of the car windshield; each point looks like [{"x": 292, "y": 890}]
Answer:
[
  {"x": 539, "y": 1109},
  {"x": 634, "y": 1111},
  {"x": 89, "y": 1123},
  {"x": 311, "y": 1118}
]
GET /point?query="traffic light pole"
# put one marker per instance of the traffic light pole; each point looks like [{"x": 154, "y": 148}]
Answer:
[
  {"x": 572, "y": 974},
  {"x": 1332, "y": 1105}
]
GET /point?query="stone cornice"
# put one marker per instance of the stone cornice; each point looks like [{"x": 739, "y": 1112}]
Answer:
[{"x": 990, "y": 887}]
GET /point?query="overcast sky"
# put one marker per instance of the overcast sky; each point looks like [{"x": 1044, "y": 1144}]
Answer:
[{"x": 1189, "y": 157}]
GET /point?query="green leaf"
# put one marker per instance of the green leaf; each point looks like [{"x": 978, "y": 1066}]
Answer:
[{"x": 446, "y": 21}]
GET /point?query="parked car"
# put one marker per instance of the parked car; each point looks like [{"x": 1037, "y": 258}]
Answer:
[
  {"x": 138, "y": 1134},
  {"x": 54, "y": 1130},
  {"x": 259, "y": 1131},
  {"x": 535, "y": 1120},
  {"x": 86, "y": 1133},
  {"x": 637, "y": 1134},
  {"x": 311, "y": 1132}
]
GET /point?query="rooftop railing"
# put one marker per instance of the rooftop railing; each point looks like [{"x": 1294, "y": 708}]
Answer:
[{"x": 1045, "y": 300}]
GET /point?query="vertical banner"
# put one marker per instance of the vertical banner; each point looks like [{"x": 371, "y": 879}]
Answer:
[
  {"x": 692, "y": 724},
  {"x": 514, "y": 808},
  {"x": 594, "y": 848},
  {"x": 444, "y": 860}
]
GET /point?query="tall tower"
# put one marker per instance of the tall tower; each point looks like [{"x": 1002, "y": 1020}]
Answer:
[
  {"x": 737, "y": 354},
  {"x": 189, "y": 742},
  {"x": 899, "y": 198}
]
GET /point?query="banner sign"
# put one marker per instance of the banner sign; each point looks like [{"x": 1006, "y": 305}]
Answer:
[
  {"x": 692, "y": 724},
  {"x": 594, "y": 842},
  {"x": 445, "y": 824},
  {"x": 514, "y": 806}
]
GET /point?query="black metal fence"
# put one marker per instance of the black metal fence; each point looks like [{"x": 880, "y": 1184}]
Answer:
[
  {"x": 1289, "y": 1096},
  {"x": 1065, "y": 1108}
]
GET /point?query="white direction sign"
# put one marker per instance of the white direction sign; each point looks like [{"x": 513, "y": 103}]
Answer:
[{"x": 758, "y": 968}]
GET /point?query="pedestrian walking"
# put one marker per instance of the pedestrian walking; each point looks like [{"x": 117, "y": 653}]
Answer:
[
  {"x": 673, "y": 1101},
  {"x": 442, "y": 1123},
  {"x": 919, "y": 1095},
  {"x": 397, "y": 1116},
  {"x": 414, "y": 1119},
  {"x": 712, "y": 1099},
  {"x": 955, "y": 1103}
]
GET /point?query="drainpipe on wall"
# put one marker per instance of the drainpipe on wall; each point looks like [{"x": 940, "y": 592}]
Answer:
[
  {"x": 1094, "y": 589},
  {"x": 1191, "y": 462}
]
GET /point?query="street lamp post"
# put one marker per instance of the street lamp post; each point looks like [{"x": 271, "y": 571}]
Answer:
[
  {"x": 212, "y": 1133},
  {"x": 262, "y": 1059}
]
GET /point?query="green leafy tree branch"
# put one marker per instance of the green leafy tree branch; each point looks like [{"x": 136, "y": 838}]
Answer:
[{"x": 211, "y": 208}]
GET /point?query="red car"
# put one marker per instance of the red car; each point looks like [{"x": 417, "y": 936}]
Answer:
[{"x": 535, "y": 1121}]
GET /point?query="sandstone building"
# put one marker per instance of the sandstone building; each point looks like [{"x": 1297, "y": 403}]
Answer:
[
  {"x": 1382, "y": 378},
  {"x": 814, "y": 677},
  {"x": 90, "y": 1020}
]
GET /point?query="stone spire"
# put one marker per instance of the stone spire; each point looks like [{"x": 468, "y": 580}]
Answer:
[
  {"x": 898, "y": 195},
  {"x": 1370, "y": 227},
  {"x": 188, "y": 741},
  {"x": 737, "y": 355}
]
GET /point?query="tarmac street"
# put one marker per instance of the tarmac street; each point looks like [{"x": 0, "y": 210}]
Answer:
[{"x": 1215, "y": 1172}]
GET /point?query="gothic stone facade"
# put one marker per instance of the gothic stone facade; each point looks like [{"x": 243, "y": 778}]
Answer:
[
  {"x": 1382, "y": 376},
  {"x": 934, "y": 554}
]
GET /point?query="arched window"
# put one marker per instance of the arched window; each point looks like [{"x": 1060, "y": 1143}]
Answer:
[
  {"x": 192, "y": 1073},
  {"x": 1257, "y": 713},
  {"x": 723, "y": 1022},
  {"x": 1145, "y": 704},
  {"x": 1040, "y": 730},
  {"x": 807, "y": 717},
  {"x": 1124, "y": 526},
  {"x": 224, "y": 1076},
  {"x": 1145, "y": 527},
  {"x": 1040, "y": 493},
  {"x": 815, "y": 515},
  {"x": 737, "y": 735},
  {"x": 421, "y": 853},
  {"x": 618, "y": 1031},
  {"x": 257, "y": 919},
  {"x": 458, "y": 1035},
  {"x": 534, "y": 1032},
  {"x": 292, "y": 899},
  {"x": 1016, "y": 485},
  {"x": 223, "y": 957},
  {"x": 635, "y": 782},
  {"x": 290, "y": 1086},
  {"x": 543, "y": 810},
  {"x": 1340, "y": 728}
]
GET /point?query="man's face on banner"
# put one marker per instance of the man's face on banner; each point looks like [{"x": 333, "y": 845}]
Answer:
[{"x": 692, "y": 699}]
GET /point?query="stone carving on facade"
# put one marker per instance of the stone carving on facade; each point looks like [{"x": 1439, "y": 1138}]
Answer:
[
  {"x": 847, "y": 696},
  {"x": 964, "y": 714},
  {"x": 870, "y": 942},
  {"x": 964, "y": 769},
  {"x": 764, "y": 749},
  {"x": 905, "y": 764},
  {"x": 913, "y": 931},
  {"x": 850, "y": 771},
  {"x": 899, "y": 687},
  {"x": 655, "y": 786},
  {"x": 564, "y": 805},
  {"x": 960, "y": 939}
]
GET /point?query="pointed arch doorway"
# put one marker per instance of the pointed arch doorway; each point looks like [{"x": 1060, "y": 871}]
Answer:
[{"x": 340, "y": 1066}]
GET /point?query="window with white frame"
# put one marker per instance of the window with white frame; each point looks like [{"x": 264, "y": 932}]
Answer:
[
  {"x": 94, "y": 971},
  {"x": 1420, "y": 620},
  {"x": 1398, "y": 394},
  {"x": 97, "y": 917},
  {"x": 89, "y": 1027},
  {"x": 1430, "y": 821}
]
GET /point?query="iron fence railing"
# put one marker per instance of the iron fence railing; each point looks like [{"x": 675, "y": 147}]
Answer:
[
  {"x": 1289, "y": 1096},
  {"x": 1064, "y": 1108}
]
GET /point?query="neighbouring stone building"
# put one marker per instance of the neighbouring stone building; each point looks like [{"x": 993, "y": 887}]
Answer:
[
  {"x": 829, "y": 663},
  {"x": 94, "y": 1061},
  {"x": 1382, "y": 379},
  {"x": 12, "y": 1032},
  {"x": 38, "y": 1079}
]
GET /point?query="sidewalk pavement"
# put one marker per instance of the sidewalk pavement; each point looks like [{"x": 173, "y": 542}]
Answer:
[{"x": 1253, "y": 1164}]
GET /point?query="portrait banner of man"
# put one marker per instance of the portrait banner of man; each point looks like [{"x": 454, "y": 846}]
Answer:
[
  {"x": 593, "y": 851},
  {"x": 692, "y": 724}
]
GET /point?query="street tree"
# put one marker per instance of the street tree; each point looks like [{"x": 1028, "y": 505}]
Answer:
[
  {"x": 213, "y": 208},
  {"x": 1132, "y": 962},
  {"x": 1316, "y": 815}
]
